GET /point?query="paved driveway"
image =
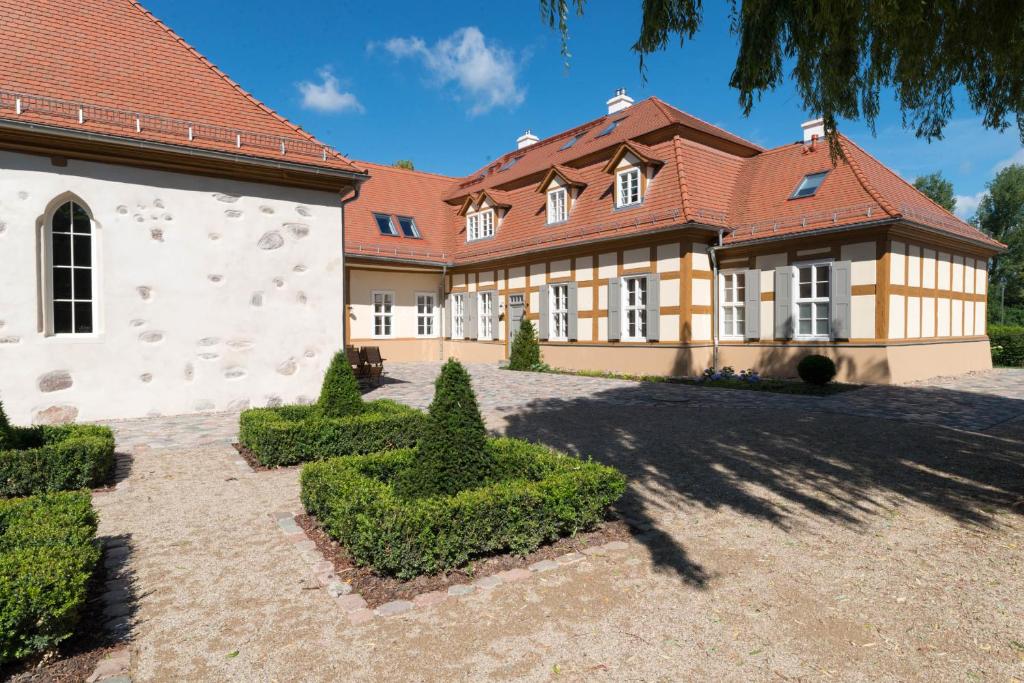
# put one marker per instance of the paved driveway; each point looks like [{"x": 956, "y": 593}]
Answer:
[{"x": 873, "y": 535}]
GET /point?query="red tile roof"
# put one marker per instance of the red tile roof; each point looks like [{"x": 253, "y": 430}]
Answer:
[{"x": 112, "y": 60}]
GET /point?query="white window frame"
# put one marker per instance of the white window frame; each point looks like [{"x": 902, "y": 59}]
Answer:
[
  {"x": 639, "y": 308},
  {"x": 558, "y": 205},
  {"x": 485, "y": 302},
  {"x": 480, "y": 225},
  {"x": 738, "y": 303},
  {"x": 46, "y": 251},
  {"x": 429, "y": 319},
  {"x": 385, "y": 317},
  {"x": 814, "y": 300},
  {"x": 558, "y": 311},
  {"x": 635, "y": 194},
  {"x": 458, "y": 316}
]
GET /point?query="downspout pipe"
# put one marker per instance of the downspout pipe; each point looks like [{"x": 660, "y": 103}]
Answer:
[
  {"x": 444, "y": 308},
  {"x": 713, "y": 255},
  {"x": 357, "y": 187}
]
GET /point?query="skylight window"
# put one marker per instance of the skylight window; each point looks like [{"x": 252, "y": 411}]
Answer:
[
  {"x": 610, "y": 127},
  {"x": 809, "y": 185},
  {"x": 385, "y": 224},
  {"x": 570, "y": 142},
  {"x": 508, "y": 164},
  {"x": 408, "y": 225}
]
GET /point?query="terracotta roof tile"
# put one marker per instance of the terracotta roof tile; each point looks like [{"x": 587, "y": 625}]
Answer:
[{"x": 117, "y": 59}]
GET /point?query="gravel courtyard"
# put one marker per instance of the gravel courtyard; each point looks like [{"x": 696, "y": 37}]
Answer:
[{"x": 870, "y": 535}]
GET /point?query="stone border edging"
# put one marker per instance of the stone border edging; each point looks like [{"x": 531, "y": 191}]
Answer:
[{"x": 355, "y": 606}]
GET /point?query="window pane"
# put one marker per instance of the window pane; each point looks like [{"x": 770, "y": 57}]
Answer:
[
  {"x": 83, "y": 317},
  {"x": 729, "y": 314},
  {"x": 83, "y": 250},
  {"x": 805, "y": 290},
  {"x": 823, "y": 280},
  {"x": 739, "y": 319},
  {"x": 61, "y": 250},
  {"x": 62, "y": 219},
  {"x": 805, "y": 326},
  {"x": 62, "y": 316},
  {"x": 805, "y": 274},
  {"x": 62, "y": 283},
  {"x": 729, "y": 292},
  {"x": 408, "y": 227},
  {"x": 81, "y": 220},
  {"x": 83, "y": 283},
  {"x": 384, "y": 224}
]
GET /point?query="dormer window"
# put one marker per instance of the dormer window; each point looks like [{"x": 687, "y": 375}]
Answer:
[
  {"x": 627, "y": 187},
  {"x": 609, "y": 128},
  {"x": 480, "y": 225},
  {"x": 558, "y": 206},
  {"x": 809, "y": 185},
  {"x": 385, "y": 224},
  {"x": 408, "y": 225}
]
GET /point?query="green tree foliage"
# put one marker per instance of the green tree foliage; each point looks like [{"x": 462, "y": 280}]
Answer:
[
  {"x": 340, "y": 395},
  {"x": 843, "y": 54},
  {"x": 525, "y": 353},
  {"x": 405, "y": 163},
  {"x": 1001, "y": 215},
  {"x": 5, "y": 428},
  {"x": 453, "y": 455},
  {"x": 938, "y": 189}
]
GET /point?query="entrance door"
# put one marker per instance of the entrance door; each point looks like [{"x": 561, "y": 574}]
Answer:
[{"x": 516, "y": 308}]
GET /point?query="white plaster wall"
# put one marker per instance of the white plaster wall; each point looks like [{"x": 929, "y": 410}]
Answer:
[
  {"x": 668, "y": 258},
  {"x": 898, "y": 263},
  {"x": 193, "y": 242},
  {"x": 634, "y": 259},
  {"x": 584, "y": 268},
  {"x": 897, "y": 317}
]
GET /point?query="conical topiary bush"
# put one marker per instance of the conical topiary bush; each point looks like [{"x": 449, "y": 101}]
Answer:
[
  {"x": 340, "y": 395},
  {"x": 525, "y": 353},
  {"x": 453, "y": 453}
]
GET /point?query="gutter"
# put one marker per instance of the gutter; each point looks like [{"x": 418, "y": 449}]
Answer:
[{"x": 213, "y": 155}]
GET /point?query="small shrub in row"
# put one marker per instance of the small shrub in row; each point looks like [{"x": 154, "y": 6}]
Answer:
[
  {"x": 532, "y": 495},
  {"x": 48, "y": 554},
  {"x": 1007, "y": 345},
  {"x": 55, "y": 458}
]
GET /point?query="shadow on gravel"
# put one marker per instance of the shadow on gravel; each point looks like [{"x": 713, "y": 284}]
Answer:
[{"x": 778, "y": 461}]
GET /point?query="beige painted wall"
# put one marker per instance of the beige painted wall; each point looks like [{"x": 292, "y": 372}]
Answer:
[{"x": 405, "y": 286}]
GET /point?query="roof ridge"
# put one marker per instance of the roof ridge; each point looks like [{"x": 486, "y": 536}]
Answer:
[
  {"x": 662, "y": 104},
  {"x": 399, "y": 169},
  {"x": 227, "y": 79},
  {"x": 684, "y": 191},
  {"x": 859, "y": 174}
]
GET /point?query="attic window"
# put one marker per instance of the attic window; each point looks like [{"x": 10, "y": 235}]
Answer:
[
  {"x": 385, "y": 224},
  {"x": 408, "y": 225},
  {"x": 809, "y": 185},
  {"x": 508, "y": 164},
  {"x": 610, "y": 127},
  {"x": 570, "y": 142}
]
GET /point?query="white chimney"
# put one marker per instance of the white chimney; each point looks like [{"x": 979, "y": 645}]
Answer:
[
  {"x": 814, "y": 128},
  {"x": 619, "y": 102},
  {"x": 527, "y": 139}
]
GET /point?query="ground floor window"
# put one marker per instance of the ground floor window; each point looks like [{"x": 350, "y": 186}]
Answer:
[
  {"x": 383, "y": 305},
  {"x": 71, "y": 270},
  {"x": 812, "y": 300},
  {"x": 458, "y": 316},
  {"x": 733, "y": 291},
  {"x": 425, "y": 315},
  {"x": 486, "y": 311},
  {"x": 634, "y": 308},
  {"x": 559, "y": 308}
]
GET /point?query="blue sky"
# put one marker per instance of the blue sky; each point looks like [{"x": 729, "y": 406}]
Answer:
[{"x": 451, "y": 85}]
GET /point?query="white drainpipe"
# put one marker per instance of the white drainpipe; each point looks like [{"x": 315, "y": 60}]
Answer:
[{"x": 712, "y": 254}]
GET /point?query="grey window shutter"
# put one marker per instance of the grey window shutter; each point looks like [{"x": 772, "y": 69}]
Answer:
[
  {"x": 545, "y": 306},
  {"x": 494, "y": 314},
  {"x": 472, "y": 313},
  {"x": 448, "y": 317},
  {"x": 574, "y": 313},
  {"x": 784, "y": 302},
  {"x": 842, "y": 291},
  {"x": 653, "y": 308},
  {"x": 614, "y": 310},
  {"x": 752, "y": 304}
]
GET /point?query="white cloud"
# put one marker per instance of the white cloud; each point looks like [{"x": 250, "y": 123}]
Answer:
[
  {"x": 326, "y": 96},
  {"x": 485, "y": 73},
  {"x": 967, "y": 204},
  {"x": 1017, "y": 158}
]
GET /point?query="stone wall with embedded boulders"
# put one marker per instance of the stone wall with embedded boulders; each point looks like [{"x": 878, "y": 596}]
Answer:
[{"x": 213, "y": 294}]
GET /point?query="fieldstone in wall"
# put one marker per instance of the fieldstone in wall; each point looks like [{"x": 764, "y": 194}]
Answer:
[
  {"x": 58, "y": 380},
  {"x": 23, "y": 195},
  {"x": 209, "y": 341},
  {"x": 241, "y": 344},
  {"x": 145, "y": 293},
  {"x": 301, "y": 298},
  {"x": 123, "y": 210},
  {"x": 226, "y": 198},
  {"x": 238, "y": 405},
  {"x": 233, "y": 213},
  {"x": 158, "y": 203},
  {"x": 266, "y": 209},
  {"x": 146, "y": 377},
  {"x": 298, "y": 230},
  {"x": 303, "y": 210},
  {"x": 303, "y": 400},
  {"x": 234, "y": 373},
  {"x": 204, "y": 404},
  {"x": 137, "y": 322},
  {"x": 214, "y": 236},
  {"x": 310, "y": 353},
  {"x": 3, "y": 227},
  {"x": 256, "y": 299},
  {"x": 299, "y": 268},
  {"x": 289, "y": 367},
  {"x": 271, "y": 240},
  {"x": 274, "y": 401},
  {"x": 278, "y": 282},
  {"x": 209, "y": 356},
  {"x": 156, "y": 234},
  {"x": 215, "y": 278},
  {"x": 151, "y": 337},
  {"x": 190, "y": 372},
  {"x": 55, "y": 415},
  {"x": 9, "y": 340}
]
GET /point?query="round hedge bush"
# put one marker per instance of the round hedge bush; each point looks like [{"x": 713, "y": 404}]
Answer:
[{"x": 815, "y": 369}]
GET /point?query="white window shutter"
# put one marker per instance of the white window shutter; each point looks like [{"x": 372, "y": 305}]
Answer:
[
  {"x": 752, "y": 304},
  {"x": 784, "y": 302},
  {"x": 471, "y": 315},
  {"x": 574, "y": 314},
  {"x": 495, "y": 314},
  {"x": 653, "y": 307},
  {"x": 448, "y": 317},
  {"x": 614, "y": 310},
  {"x": 842, "y": 297},
  {"x": 545, "y": 310}
]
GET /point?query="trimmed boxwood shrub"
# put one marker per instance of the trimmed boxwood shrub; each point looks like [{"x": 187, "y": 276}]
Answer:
[
  {"x": 534, "y": 495},
  {"x": 289, "y": 435},
  {"x": 48, "y": 554},
  {"x": 55, "y": 458},
  {"x": 525, "y": 351},
  {"x": 339, "y": 393},
  {"x": 1007, "y": 345},
  {"x": 815, "y": 369}
]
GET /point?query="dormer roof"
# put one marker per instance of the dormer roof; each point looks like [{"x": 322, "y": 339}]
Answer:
[
  {"x": 569, "y": 177},
  {"x": 642, "y": 152}
]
